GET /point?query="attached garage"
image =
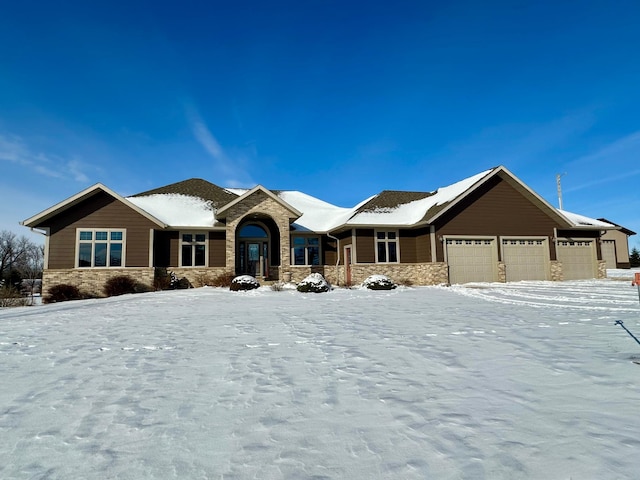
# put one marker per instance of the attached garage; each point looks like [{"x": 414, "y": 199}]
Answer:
[
  {"x": 578, "y": 257},
  {"x": 472, "y": 260},
  {"x": 526, "y": 259},
  {"x": 609, "y": 252}
]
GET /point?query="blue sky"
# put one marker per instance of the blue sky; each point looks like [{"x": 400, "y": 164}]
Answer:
[{"x": 339, "y": 100}]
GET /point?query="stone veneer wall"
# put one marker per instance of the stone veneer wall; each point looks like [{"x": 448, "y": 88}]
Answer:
[
  {"x": 407, "y": 273},
  {"x": 557, "y": 274},
  {"x": 92, "y": 280},
  {"x": 199, "y": 277},
  {"x": 260, "y": 204},
  {"x": 502, "y": 272},
  {"x": 602, "y": 269}
]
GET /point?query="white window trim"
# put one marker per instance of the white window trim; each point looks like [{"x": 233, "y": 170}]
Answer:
[
  {"x": 206, "y": 248},
  {"x": 93, "y": 243},
  {"x": 306, "y": 251},
  {"x": 386, "y": 242}
]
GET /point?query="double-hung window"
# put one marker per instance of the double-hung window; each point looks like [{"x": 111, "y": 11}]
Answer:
[
  {"x": 386, "y": 246},
  {"x": 306, "y": 250},
  {"x": 193, "y": 249},
  {"x": 100, "y": 247}
]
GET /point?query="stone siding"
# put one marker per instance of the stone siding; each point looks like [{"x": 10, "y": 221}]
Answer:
[
  {"x": 557, "y": 273},
  {"x": 92, "y": 280},
  {"x": 259, "y": 204},
  {"x": 199, "y": 277},
  {"x": 602, "y": 269},
  {"x": 404, "y": 274}
]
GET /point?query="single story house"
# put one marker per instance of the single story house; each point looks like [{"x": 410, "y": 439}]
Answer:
[{"x": 490, "y": 227}]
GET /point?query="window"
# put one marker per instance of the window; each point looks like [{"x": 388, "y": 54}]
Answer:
[
  {"x": 100, "y": 248},
  {"x": 387, "y": 247},
  {"x": 306, "y": 251},
  {"x": 193, "y": 249}
]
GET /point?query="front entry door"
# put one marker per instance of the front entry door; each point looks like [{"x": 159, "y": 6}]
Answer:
[{"x": 254, "y": 258}]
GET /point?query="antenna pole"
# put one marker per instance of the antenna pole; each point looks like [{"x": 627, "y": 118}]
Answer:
[{"x": 558, "y": 183}]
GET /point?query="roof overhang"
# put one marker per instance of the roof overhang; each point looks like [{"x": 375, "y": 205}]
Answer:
[{"x": 38, "y": 219}]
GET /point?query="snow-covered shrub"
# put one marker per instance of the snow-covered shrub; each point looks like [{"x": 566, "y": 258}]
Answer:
[
  {"x": 314, "y": 283},
  {"x": 63, "y": 292},
  {"x": 244, "y": 282},
  {"x": 379, "y": 282},
  {"x": 180, "y": 283}
]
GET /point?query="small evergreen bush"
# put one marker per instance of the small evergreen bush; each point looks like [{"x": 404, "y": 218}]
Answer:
[
  {"x": 223, "y": 280},
  {"x": 180, "y": 283},
  {"x": 120, "y": 285},
  {"x": 161, "y": 279},
  {"x": 379, "y": 282},
  {"x": 314, "y": 283},
  {"x": 62, "y": 293},
  {"x": 244, "y": 282}
]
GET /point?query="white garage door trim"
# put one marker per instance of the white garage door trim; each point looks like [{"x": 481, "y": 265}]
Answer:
[
  {"x": 578, "y": 258},
  {"x": 526, "y": 258},
  {"x": 471, "y": 259}
]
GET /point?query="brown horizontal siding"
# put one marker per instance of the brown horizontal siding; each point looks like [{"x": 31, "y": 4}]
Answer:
[
  {"x": 217, "y": 249},
  {"x": 495, "y": 209},
  {"x": 365, "y": 246},
  {"x": 99, "y": 211},
  {"x": 329, "y": 251},
  {"x": 415, "y": 246}
]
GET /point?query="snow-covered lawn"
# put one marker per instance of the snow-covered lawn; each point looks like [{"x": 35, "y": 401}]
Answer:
[{"x": 490, "y": 381}]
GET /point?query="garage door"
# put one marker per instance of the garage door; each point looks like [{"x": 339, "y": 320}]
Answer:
[
  {"x": 526, "y": 259},
  {"x": 472, "y": 260},
  {"x": 578, "y": 259},
  {"x": 609, "y": 252}
]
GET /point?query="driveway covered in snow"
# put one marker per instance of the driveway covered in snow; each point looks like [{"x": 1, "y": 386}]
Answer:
[{"x": 524, "y": 380}]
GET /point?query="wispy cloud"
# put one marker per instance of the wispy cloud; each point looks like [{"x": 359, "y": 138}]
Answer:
[
  {"x": 617, "y": 156},
  {"x": 513, "y": 144},
  {"x": 229, "y": 166},
  {"x": 14, "y": 149}
]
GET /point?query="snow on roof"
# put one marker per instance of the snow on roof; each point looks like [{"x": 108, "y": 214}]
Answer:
[
  {"x": 317, "y": 215},
  {"x": 176, "y": 209},
  {"x": 237, "y": 191},
  {"x": 582, "y": 221},
  {"x": 413, "y": 212}
]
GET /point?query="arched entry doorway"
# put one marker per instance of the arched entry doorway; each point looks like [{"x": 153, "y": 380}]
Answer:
[{"x": 252, "y": 257}]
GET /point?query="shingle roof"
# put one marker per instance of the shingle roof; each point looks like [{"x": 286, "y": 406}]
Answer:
[
  {"x": 195, "y": 187},
  {"x": 391, "y": 199}
]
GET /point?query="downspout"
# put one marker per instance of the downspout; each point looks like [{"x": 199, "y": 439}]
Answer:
[
  {"x": 45, "y": 260},
  {"x": 338, "y": 256}
]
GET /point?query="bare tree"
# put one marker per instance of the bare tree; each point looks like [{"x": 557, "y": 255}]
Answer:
[
  {"x": 19, "y": 258},
  {"x": 12, "y": 251},
  {"x": 31, "y": 267}
]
